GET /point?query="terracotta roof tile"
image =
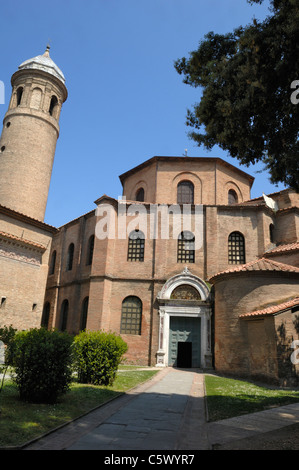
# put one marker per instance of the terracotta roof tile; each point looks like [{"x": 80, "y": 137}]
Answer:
[
  {"x": 283, "y": 248},
  {"x": 273, "y": 309},
  {"x": 9, "y": 236},
  {"x": 261, "y": 264}
]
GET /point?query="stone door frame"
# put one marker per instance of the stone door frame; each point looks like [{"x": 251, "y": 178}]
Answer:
[{"x": 184, "y": 308}]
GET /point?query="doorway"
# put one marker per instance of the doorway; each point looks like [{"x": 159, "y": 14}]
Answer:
[
  {"x": 184, "y": 342},
  {"x": 184, "y": 358}
]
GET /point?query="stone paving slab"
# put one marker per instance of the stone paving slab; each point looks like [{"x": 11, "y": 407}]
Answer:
[
  {"x": 251, "y": 425},
  {"x": 158, "y": 412}
]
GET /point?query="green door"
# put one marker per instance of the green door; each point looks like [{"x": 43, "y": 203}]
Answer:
[{"x": 184, "y": 342}]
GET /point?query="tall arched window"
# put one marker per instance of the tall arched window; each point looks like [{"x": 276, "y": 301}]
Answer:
[
  {"x": 90, "y": 249},
  {"x": 232, "y": 197},
  {"x": 53, "y": 106},
  {"x": 70, "y": 257},
  {"x": 136, "y": 246},
  {"x": 140, "y": 195},
  {"x": 53, "y": 263},
  {"x": 185, "y": 192},
  {"x": 271, "y": 233},
  {"x": 46, "y": 315},
  {"x": 19, "y": 95},
  {"x": 64, "y": 315},
  {"x": 131, "y": 314},
  {"x": 84, "y": 312},
  {"x": 186, "y": 247},
  {"x": 236, "y": 248}
]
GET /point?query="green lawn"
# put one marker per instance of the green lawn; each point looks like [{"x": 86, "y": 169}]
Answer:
[
  {"x": 228, "y": 397},
  {"x": 20, "y": 422}
]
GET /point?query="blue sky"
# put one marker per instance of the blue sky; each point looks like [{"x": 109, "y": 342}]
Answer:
[{"x": 126, "y": 102}]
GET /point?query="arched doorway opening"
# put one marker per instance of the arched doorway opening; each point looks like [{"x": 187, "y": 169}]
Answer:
[{"x": 184, "y": 323}]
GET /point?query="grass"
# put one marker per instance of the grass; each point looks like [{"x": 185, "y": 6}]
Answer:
[
  {"x": 21, "y": 422},
  {"x": 227, "y": 397}
]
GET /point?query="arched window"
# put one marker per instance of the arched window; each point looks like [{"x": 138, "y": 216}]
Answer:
[
  {"x": 19, "y": 95},
  {"x": 36, "y": 98},
  {"x": 185, "y": 192},
  {"x": 140, "y": 195},
  {"x": 186, "y": 247},
  {"x": 70, "y": 257},
  {"x": 53, "y": 105},
  {"x": 64, "y": 315},
  {"x": 53, "y": 263},
  {"x": 90, "y": 249},
  {"x": 84, "y": 312},
  {"x": 131, "y": 314},
  {"x": 271, "y": 233},
  {"x": 232, "y": 197},
  {"x": 46, "y": 315},
  {"x": 236, "y": 248},
  {"x": 136, "y": 246}
]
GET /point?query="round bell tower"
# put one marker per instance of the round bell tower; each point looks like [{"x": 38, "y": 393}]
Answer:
[{"x": 29, "y": 135}]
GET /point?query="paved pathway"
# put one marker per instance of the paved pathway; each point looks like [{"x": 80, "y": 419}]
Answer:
[
  {"x": 165, "y": 413},
  {"x": 162, "y": 414}
]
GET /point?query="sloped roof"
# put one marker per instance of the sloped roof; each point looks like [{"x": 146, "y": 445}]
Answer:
[
  {"x": 272, "y": 309},
  {"x": 185, "y": 159},
  {"x": 45, "y": 63},
  {"x": 27, "y": 219},
  {"x": 23, "y": 241},
  {"x": 260, "y": 265},
  {"x": 287, "y": 248}
]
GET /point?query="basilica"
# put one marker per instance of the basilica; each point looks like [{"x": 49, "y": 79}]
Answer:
[{"x": 185, "y": 266}]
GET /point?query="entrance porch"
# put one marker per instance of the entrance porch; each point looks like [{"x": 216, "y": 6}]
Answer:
[{"x": 185, "y": 323}]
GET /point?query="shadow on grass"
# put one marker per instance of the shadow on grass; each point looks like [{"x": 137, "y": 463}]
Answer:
[
  {"x": 21, "y": 422},
  {"x": 228, "y": 397}
]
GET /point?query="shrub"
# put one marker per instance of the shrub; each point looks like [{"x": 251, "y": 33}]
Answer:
[
  {"x": 7, "y": 334},
  {"x": 97, "y": 355},
  {"x": 42, "y": 361}
]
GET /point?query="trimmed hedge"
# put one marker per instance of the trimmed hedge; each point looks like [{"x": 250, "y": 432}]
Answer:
[
  {"x": 42, "y": 360},
  {"x": 97, "y": 355}
]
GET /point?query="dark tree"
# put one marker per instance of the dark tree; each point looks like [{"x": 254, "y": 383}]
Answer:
[{"x": 250, "y": 92}]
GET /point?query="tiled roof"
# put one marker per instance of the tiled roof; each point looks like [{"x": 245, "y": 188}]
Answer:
[
  {"x": 27, "y": 218},
  {"x": 283, "y": 248},
  {"x": 273, "y": 309},
  {"x": 261, "y": 264},
  {"x": 9, "y": 236}
]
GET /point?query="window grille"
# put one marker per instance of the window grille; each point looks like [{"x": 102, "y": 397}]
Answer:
[
  {"x": 185, "y": 193},
  {"x": 131, "y": 316},
  {"x": 186, "y": 252},
  {"x": 136, "y": 246},
  {"x": 236, "y": 248}
]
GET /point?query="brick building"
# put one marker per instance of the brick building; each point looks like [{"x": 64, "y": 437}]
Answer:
[{"x": 188, "y": 268}]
